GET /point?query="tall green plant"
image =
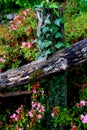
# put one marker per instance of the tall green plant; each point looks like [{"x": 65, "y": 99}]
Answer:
[{"x": 50, "y": 37}]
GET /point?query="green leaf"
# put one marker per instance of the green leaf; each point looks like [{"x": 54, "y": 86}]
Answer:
[
  {"x": 55, "y": 12},
  {"x": 58, "y": 35},
  {"x": 47, "y": 20},
  {"x": 53, "y": 28},
  {"x": 41, "y": 45},
  {"x": 59, "y": 45},
  {"x": 48, "y": 43},
  {"x": 5, "y": 1},
  {"x": 53, "y": 5},
  {"x": 47, "y": 53},
  {"x": 57, "y": 22},
  {"x": 61, "y": 20},
  {"x": 45, "y": 29}
]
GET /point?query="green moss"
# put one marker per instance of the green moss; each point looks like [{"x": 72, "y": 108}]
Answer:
[
  {"x": 76, "y": 28},
  {"x": 36, "y": 73}
]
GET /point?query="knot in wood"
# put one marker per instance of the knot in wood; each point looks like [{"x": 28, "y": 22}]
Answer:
[{"x": 62, "y": 63}]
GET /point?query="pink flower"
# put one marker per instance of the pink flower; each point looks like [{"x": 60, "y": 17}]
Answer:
[
  {"x": 74, "y": 127},
  {"x": 82, "y": 103},
  {"x": 29, "y": 44},
  {"x": 14, "y": 116},
  {"x": 25, "y": 13},
  {"x": 18, "y": 110},
  {"x": 26, "y": 44},
  {"x": 84, "y": 119},
  {"x": 11, "y": 21},
  {"x": 27, "y": 29},
  {"x": 2, "y": 60},
  {"x": 52, "y": 114},
  {"x": 33, "y": 104},
  {"x": 16, "y": 17},
  {"x": 42, "y": 92},
  {"x": 13, "y": 27},
  {"x": 23, "y": 18},
  {"x": 19, "y": 22},
  {"x": 34, "y": 91},
  {"x": 23, "y": 44},
  {"x": 20, "y": 128},
  {"x": 39, "y": 116},
  {"x": 30, "y": 114},
  {"x": 42, "y": 108},
  {"x": 38, "y": 105}
]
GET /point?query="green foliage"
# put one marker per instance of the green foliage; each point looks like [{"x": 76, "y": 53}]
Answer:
[
  {"x": 75, "y": 28},
  {"x": 7, "y": 6},
  {"x": 47, "y": 4},
  {"x": 16, "y": 40},
  {"x": 50, "y": 37},
  {"x": 83, "y": 6},
  {"x": 70, "y": 117},
  {"x": 27, "y": 118}
]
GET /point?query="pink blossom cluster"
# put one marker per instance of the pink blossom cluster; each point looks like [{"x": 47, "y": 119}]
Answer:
[
  {"x": 15, "y": 116},
  {"x": 17, "y": 21},
  {"x": 84, "y": 119},
  {"x": 2, "y": 59},
  {"x": 82, "y": 103},
  {"x": 35, "y": 91},
  {"x": 27, "y": 44},
  {"x": 37, "y": 110}
]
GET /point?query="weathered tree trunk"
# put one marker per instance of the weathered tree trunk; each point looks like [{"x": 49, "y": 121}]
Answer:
[{"x": 63, "y": 59}]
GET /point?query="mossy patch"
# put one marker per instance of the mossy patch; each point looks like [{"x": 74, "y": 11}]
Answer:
[{"x": 36, "y": 73}]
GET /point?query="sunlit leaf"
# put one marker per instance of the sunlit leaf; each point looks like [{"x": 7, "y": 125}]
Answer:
[{"x": 59, "y": 45}]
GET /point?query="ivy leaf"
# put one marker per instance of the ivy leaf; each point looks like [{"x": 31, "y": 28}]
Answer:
[
  {"x": 41, "y": 45},
  {"x": 59, "y": 45},
  {"x": 58, "y": 35},
  {"x": 47, "y": 20},
  {"x": 45, "y": 29},
  {"x": 47, "y": 53},
  {"x": 53, "y": 28},
  {"x": 57, "y": 22},
  {"x": 48, "y": 43}
]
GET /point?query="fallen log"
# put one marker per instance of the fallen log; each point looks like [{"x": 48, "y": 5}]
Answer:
[{"x": 71, "y": 56}]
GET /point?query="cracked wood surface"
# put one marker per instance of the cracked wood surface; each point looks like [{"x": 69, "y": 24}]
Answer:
[{"x": 71, "y": 56}]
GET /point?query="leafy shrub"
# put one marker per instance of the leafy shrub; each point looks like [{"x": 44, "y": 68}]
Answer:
[
  {"x": 7, "y": 6},
  {"x": 16, "y": 40},
  {"x": 28, "y": 118},
  {"x": 83, "y": 6},
  {"x": 75, "y": 29},
  {"x": 75, "y": 117},
  {"x": 71, "y": 8}
]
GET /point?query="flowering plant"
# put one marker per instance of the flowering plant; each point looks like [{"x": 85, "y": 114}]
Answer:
[
  {"x": 16, "y": 40},
  {"x": 29, "y": 119},
  {"x": 76, "y": 117}
]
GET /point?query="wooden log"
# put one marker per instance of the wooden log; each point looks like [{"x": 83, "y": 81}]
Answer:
[
  {"x": 71, "y": 56},
  {"x": 14, "y": 94}
]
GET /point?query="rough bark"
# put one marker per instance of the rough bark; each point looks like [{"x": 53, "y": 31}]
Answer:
[{"x": 71, "y": 56}]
